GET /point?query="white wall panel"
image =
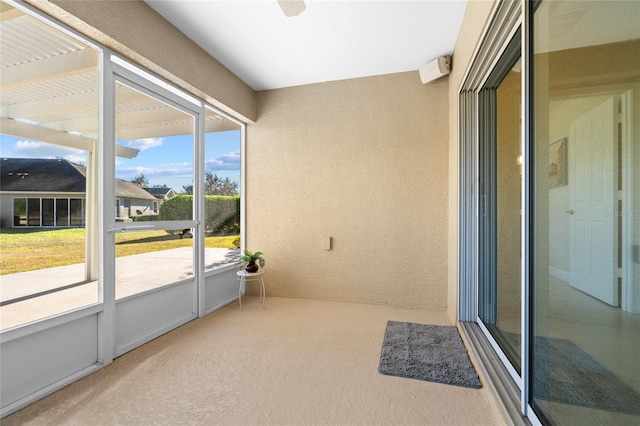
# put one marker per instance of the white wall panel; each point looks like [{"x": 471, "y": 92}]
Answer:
[
  {"x": 36, "y": 361},
  {"x": 145, "y": 316},
  {"x": 221, "y": 289}
]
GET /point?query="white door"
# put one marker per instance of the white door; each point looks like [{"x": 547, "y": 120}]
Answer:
[
  {"x": 592, "y": 183},
  {"x": 155, "y": 283}
]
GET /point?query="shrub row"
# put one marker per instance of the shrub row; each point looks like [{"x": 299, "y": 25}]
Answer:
[
  {"x": 222, "y": 213},
  {"x": 144, "y": 218}
]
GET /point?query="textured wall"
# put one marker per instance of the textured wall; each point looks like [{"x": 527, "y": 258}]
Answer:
[
  {"x": 473, "y": 23},
  {"x": 365, "y": 162},
  {"x": 139, "y": 33}
]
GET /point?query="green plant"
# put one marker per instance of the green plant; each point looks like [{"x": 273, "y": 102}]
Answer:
[
  {"x": 253, "y": 257},
  {"x": 236, "y": 242}
]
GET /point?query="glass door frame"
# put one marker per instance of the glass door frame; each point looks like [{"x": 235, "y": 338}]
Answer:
[
  {"x": 118, "y": 70},
  {"x": 506, "y": 19},
  {"x": 476, "y": 105},
  {"x": 487, "y": 192}
]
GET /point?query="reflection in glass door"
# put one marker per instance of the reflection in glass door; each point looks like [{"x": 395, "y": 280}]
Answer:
[
  {"x": 499, "y": 297},
  {"x": 586, "y": 299}
]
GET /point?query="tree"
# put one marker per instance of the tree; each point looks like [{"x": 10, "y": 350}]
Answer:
[
  {"x": 187, "y": 189},
  {"x": 164, "y": 185},
  {"x": 214, "y": 185},
  {"x": 141, "y": 181}
]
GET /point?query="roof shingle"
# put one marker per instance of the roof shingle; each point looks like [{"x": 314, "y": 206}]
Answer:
[{"x": 54, "y": 175}]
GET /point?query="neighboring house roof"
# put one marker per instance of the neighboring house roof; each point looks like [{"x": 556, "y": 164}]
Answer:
[
  {"x": 126, "y": 189},
  {"x": 41, "y": 175},
  {"x": 53, "y": 175},
  {"x": 161, "y": 192}
]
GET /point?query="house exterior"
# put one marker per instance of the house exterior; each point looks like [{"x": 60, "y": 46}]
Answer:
[
  {"x": 38, "y": 192},
  {"x": 162, "y": 194},
  {"x": 504, "y": 194}
]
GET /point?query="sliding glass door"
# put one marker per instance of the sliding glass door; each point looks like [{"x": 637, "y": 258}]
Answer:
[
  {"x": 500, "y": 259},
  {"x": 550, "y": 208},
  {"x": 585, "y": 366}
]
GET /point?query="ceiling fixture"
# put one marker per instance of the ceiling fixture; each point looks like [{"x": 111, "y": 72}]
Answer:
[{"x": 292, "y": 7}]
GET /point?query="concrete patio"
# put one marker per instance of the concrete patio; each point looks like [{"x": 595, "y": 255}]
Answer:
[{"x": 134, "y": 274}]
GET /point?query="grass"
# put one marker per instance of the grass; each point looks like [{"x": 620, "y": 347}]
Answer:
[{"x": 24, "y": 250}]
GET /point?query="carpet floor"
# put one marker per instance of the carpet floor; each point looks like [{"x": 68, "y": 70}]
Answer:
[{"x": 299, "y": 362}]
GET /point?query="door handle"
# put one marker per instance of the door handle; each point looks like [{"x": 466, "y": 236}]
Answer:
[
  {"x": 570, "y": 211},
  {"x": 132, "y": 228}
]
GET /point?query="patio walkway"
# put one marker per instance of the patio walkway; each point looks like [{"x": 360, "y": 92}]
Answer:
[{"x": 134, "y": 274}]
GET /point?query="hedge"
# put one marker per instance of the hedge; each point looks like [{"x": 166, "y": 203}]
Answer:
[
  {"x": 222, "y": 212},
  {"x": 144, "y": 218}
]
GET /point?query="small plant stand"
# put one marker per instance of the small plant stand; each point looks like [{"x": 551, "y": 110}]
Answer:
[{"x": 243, "y": 276}]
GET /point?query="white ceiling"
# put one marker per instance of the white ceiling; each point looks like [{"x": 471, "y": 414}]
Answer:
[{"x": 330, "y": 40}]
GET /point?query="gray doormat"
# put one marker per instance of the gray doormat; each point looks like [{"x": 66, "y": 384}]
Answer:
[{"x": 427, "y": 352}]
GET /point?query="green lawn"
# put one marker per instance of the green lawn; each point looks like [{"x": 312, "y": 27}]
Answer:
[{"x": 29, "y": 249}]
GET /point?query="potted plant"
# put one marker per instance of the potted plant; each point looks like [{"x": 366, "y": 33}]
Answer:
[{"x": 251, "y": 259}]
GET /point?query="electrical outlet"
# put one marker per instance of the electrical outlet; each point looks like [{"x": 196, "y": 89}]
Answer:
[{"x": 326, "y": 243}]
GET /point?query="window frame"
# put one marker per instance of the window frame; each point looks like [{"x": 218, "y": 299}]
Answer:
[{"x": 506, "y": 18}]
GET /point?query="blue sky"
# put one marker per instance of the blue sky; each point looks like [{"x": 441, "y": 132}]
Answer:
[{"x": 166, "y": 160}]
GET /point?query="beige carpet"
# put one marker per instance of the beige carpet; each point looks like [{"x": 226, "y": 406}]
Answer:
[{"x": 299, "y": 362}]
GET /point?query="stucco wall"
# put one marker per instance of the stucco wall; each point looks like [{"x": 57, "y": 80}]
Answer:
[
  {"x": 475, "y": 16},
  {"x": 363, "y": 161}
]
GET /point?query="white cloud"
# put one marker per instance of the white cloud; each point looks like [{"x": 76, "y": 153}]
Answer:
[
  {"x": 78, "y": 159},
  {"x": 34, "y": 149},
  {"x": 230, "y": 161},
  {"x": 144, "y": 144},
  {"x": 27, "y": 145},
  {"x": 157, "y": 172}
]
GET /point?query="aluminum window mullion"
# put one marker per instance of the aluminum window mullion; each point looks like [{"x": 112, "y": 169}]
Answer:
[
  {"x": 152, "y": 90},
  {"x": 527, "y": 210},
  {"x": 487, "y": 223},
  {"x": 199, "y": 209},
  {"x": 243, "y": 188},
  {"x": 468, "y": 193},
  {"x": 106, "y": 214},
  {"x": 157, "y": 83}
]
